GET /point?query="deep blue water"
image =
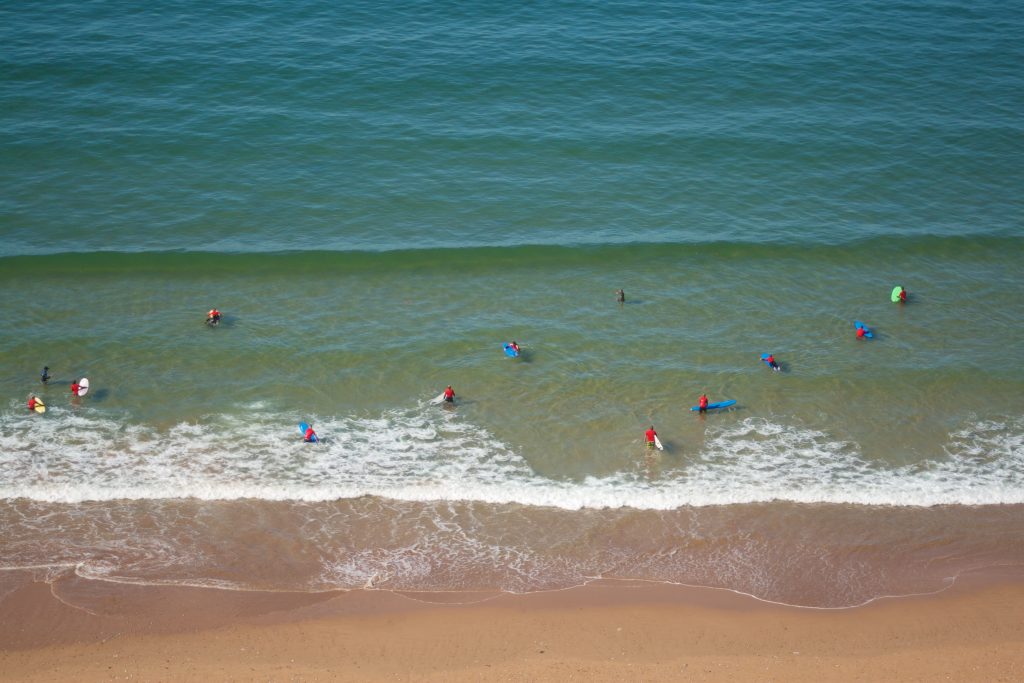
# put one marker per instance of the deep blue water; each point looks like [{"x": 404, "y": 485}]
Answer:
[{"x": 269, "y": 126}]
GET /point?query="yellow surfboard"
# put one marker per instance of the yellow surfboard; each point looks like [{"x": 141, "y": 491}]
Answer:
[{"x": 40, "y": 407}]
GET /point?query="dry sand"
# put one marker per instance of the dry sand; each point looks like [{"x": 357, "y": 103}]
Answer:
[{"x": 611, "y": 631}]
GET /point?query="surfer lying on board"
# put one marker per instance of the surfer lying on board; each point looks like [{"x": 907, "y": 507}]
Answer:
[
  {"x": 770, "y": 360},
  {"x": 514, "y": 346},
  {"x": 310, "y": 435},
  {"x": 449, "y": 394},
  {"x": 649, "y": 436},
  {"x": 702, "y": 404},
  {"x": 213, "y": 317}
]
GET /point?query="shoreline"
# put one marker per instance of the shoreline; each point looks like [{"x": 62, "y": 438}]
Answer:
[{"x": 78, "y": 629}]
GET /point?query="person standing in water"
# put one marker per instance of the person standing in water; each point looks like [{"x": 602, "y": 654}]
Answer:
[
  {"x": 310, "y": 435},
  {"x": 45, "y": 376},
  {"x": 75, "y": 387},
  {"x": 449, "y": 394},
  {"x": 649, "y": 436},
  {"x": 620, "y": 296},
  {"x": 702, "y": 403},
  {"x": 32, "y": 401},
  {"x": 213, "y": 317}
]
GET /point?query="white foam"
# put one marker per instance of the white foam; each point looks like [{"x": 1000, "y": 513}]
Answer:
[{"x": 423, "y": 454}]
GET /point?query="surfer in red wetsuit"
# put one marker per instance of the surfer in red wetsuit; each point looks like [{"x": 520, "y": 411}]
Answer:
[
  {"x": 31, "y": 403},
  {"x": 213, "y": 317},
  {"x": 702, "y": 403},
  {"x": 860, "y": 332},
  {"x": 770, "y": 360},
  {"x": 75, "y": 387},
  {"x": 514, "y": 346},
  {"x": 449, "y": 394},
  {"x": 649, "y": 436},
  {"x": 310, "y": 435}
]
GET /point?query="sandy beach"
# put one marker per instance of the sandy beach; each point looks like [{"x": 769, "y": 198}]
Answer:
[{"x": 608, "y": 631}]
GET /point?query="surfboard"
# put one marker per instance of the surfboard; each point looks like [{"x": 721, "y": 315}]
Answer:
[
  {"x": 438, "y": 400},
  {"x": 716, "y": 406},
  {"x": 657, "y": 443},
  {"x": 302, "y": 430},
  {"x": 895, "y": 296},
  {"x": 867, "y": 330},
  {"x": 510, "y": 352},
  {"x": 83, "y": 386},
  {"x": 40, "y": 407}
]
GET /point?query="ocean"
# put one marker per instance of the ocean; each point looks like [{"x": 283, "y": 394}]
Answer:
[{"x": 378, "y": 196}]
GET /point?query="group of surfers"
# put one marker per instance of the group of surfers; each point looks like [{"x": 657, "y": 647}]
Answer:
[
  {"x": 213, "y": 318},
  {"x": 702, "y": 407},
  {"x": 44, "y": 377},
  {"x": 309, "y": 436},
  {"x": 899, "y": 295}
]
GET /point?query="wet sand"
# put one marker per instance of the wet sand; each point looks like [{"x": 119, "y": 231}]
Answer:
[{"x": 609, "y": 631}]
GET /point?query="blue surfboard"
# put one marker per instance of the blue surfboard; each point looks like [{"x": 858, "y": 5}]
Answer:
[
  {"x": 867, "y": 330},
  {"x": 510, "y": 352},
  {"x": 302, "y": 430},
  {"x": 716, "y": 406}
]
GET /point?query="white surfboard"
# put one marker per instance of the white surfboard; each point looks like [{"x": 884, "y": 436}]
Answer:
[
  {"x": 657, "y": 443},
  {"x": 438, "y": 400},
  {"x": 83, "y": 386}
]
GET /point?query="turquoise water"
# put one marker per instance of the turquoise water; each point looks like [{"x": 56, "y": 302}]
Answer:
[{"x": 378, "y": 197}]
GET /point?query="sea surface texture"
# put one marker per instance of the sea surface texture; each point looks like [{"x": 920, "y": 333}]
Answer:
[{"x": 378, "y": 196}]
